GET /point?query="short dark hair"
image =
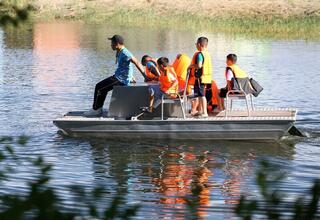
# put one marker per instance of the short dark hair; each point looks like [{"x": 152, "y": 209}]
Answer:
[
  {"x": 232, "y": 57},
  {"x": 117, "y": 39},
  {"x": 163, "y": 61},
  {"x": 144, "y": 59},
  {"x": 203, "y": 41}
]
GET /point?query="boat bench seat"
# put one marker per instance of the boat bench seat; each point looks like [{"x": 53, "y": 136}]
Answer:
[{"x": 126, "y": 101}]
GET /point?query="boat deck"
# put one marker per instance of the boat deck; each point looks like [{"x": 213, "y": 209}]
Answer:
[{"x": 239, "y": 114}]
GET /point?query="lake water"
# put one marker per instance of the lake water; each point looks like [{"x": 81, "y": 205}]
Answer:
[{"x": 47, "y": 70}]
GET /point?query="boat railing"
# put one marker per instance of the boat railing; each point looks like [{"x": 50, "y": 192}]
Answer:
[{"x": 184, "y": 95}]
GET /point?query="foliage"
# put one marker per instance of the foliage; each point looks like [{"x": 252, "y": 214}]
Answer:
[
  {"x": 42, "y": 201},
  {"x": 273, "y": 204},
  {"x": 12, "y": 13}
]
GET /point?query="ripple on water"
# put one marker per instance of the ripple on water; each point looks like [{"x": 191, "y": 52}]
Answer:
[{"x": 41, "y": 79}]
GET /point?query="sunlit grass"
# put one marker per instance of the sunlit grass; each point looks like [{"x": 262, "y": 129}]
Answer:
[{"x": 266, "y": 26}]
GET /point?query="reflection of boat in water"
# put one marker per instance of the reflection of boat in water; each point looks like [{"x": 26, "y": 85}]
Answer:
[
  {"x": 123, "y": 119},
  {"x": 165, "y": 174}
]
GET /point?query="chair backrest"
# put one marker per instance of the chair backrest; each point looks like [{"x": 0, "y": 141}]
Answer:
[
  {"x": 244, "y": 85},
  {"x": 126, "y": 101}
]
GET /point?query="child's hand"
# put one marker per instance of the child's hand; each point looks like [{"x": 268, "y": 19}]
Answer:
[
  {"x": 171, "y": 95},
  {"x": 147, "y": 79}
]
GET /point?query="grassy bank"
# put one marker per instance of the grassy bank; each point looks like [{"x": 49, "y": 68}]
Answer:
[{"x": 285, "y": 19}]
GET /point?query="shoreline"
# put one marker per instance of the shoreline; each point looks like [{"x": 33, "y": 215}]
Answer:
[{"x": 291, "y": 19}]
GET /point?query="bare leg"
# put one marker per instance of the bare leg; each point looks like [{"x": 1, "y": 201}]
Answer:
[
  {"x": 203, "y": 104},
  {"x": 194, "y": 105},
  {"x": 151, "y": 101},
  {"x": 221, "y": 103}
]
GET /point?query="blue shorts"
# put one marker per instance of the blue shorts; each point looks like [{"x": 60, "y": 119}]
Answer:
[
  {"x": 199, "y": 89},
  {"x": 155, "y": 91}
]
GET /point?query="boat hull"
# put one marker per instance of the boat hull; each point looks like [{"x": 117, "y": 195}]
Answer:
[{"x": 222, "y": 129}]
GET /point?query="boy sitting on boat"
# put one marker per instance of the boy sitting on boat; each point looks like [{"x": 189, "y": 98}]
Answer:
[
  {"x": 168, "y": 84},
  {"x": 152, "y": 72},
  {"x": 122, "y": 76},
  {"x": 236, "y": 78}
]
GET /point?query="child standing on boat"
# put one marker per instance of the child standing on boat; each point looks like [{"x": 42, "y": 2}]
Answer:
[
  {"x": 168, "y": 83},
  {"x": 201, "y": 73},
  {"x": 122, "y": 76}
]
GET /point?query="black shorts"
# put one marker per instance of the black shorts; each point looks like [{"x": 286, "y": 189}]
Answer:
[
  {"x": 223, "y": 92},
  {"x": 199, "y": 89}
]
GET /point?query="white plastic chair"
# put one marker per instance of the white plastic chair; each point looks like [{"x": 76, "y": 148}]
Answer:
[
  {"x": 238, "y": 95},
  {"x": 165, "y": 99}
]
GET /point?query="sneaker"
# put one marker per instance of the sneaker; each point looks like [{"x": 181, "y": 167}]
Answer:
[
  {"x": 92, "y": 113},
  {"x": 146, "y": 109}
]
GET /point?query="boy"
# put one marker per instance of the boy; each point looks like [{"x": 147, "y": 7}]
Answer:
[
  {"x": 201, "y": 70},
  {"x": 122, "y": 76},
  {"x": 168, "y": 83},
  {"x": 236, "y": 78},
  {"x": 152, "y": 71}
]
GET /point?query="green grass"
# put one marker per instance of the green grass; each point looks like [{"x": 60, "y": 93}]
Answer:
[{"x": 265, "y": 26}]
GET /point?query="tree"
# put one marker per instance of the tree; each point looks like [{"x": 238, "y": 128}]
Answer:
[{"x": 11, "y": 14}]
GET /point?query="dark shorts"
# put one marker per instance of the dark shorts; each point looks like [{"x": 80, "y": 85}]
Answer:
[
  {"x": 199, "y": 88},
  {"x": 223, "y": 92}
]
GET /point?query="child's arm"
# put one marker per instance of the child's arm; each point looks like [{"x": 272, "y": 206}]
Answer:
[
  {"x": 154, "y": 70},
  {"x": 199, "y": 62},
  {"x": 229, "y": 80}
]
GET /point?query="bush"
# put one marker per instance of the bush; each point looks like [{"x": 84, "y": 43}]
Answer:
[{"x": 41, "y": 200}]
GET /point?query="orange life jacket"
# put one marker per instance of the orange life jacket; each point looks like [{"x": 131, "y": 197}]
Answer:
[
  {"x": 149, "y": 74},
  {"x": 215, "y": 93},
  {"x": 206, "y": 75},
  {"x": 180, "y": 66},
  {"x": 166, "y": 81}
]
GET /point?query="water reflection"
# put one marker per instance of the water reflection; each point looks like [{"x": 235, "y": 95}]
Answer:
[
  {"x": 55, "y": 36},
  {"x": 49, "y": 69},
  {"x": 56, "y": 50},
  {"x": 1, "y": 55},
  {"x": 167, "y": 173},
  {"x": 178, "y": 172},
  {"x": 18, "y": 37}
]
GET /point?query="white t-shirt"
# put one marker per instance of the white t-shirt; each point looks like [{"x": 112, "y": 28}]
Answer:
[{"x": 229, "y": 75}]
